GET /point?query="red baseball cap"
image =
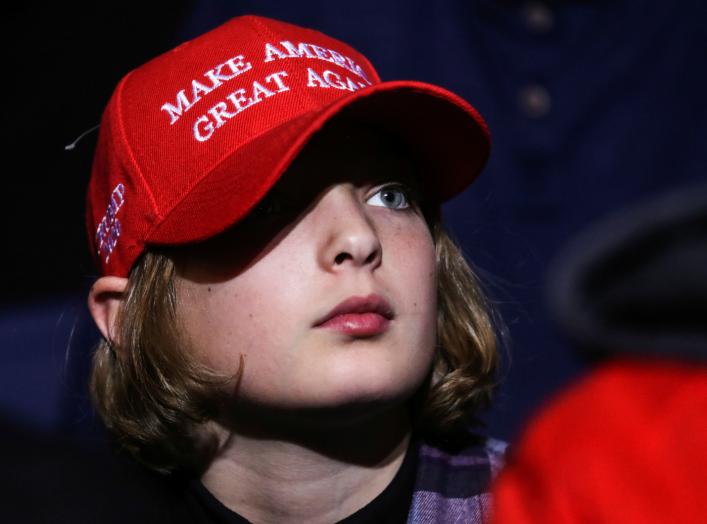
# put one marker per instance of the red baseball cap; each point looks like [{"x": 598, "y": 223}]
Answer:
[{"x": 192, "y": 140}]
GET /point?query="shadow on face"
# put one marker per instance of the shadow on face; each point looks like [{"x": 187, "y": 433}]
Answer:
[{"x": 344, "y": 151}]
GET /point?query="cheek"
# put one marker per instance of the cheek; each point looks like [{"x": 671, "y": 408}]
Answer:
[
  {"x": 219, "y": 322},
  {"x": 412, "y": 267},
  {"x": 411, "y": 252},
  {"x": 249, "y": 316}
]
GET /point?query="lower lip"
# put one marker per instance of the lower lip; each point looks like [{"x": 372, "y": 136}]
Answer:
[{"x": 358, "y": 324}]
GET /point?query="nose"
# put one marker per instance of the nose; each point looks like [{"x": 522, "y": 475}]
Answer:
[{"x": 349, "y": 238}]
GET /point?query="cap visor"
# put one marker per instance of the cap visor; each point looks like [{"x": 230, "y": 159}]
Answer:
[{"x": 447, "y": 133}]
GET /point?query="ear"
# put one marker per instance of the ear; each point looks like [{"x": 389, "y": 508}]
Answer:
[{"x": 104, "y": 301}]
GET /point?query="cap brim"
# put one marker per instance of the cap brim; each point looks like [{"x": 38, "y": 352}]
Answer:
[{"x": 447, "y": 133}]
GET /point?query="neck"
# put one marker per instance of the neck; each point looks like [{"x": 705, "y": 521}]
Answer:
[{"x": 323, "y": 474}]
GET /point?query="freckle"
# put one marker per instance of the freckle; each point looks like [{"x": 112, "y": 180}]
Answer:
[
  {"x": 250, "y": 315},
  {"x": 209, "y": 289}
]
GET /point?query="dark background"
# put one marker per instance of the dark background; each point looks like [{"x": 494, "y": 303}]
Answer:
[{"x": 593, "y": 106}]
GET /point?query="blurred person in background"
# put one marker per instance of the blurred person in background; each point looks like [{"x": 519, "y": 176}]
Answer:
[{"x": 628, "y": 442}]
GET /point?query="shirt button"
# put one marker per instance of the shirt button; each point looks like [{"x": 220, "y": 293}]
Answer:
[
  {"x": 534, "y": 101},
  {"x": 538, "y": 17}
]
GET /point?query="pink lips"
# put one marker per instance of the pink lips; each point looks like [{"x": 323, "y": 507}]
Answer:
[{"x": 359, "y": 316}]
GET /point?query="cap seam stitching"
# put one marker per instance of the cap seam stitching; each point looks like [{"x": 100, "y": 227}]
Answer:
[
  {"x": 257, "y": 27},
  {"x": 121, "y": 128},
  {"x": 212, "y": 168}
]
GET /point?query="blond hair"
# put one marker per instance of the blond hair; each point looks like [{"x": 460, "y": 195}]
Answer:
[{"x": 155, "y": 397}]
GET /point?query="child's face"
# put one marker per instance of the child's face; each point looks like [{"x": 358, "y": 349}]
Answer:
[{"x": 333, "y": 230}]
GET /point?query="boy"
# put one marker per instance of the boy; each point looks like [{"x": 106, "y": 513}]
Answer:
[{"x": 286, "y": 323}]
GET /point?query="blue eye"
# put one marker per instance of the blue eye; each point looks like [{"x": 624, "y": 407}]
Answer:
[{"x": 391, "y": 196}]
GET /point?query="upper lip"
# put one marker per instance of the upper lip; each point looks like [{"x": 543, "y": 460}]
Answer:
[{"x": 360, "y": 304}]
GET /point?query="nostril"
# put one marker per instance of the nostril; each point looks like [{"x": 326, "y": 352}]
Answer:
[
  {"x": 339, "y": 259},
  {"x": 370, "y": 258}
]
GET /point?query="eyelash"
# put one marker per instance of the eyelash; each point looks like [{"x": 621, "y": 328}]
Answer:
[
  {"x": 410, "y": 200},
  {"x": 272, "y": 205}
]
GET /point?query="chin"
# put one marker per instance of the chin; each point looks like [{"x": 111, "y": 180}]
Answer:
[{"x": 372, "y": 384}]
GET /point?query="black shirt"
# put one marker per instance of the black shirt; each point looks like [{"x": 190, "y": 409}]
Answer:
[{"x": 391, "y": 506}]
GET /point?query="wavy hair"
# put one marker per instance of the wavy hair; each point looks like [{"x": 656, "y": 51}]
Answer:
[{"x": 155, "y": 397}]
